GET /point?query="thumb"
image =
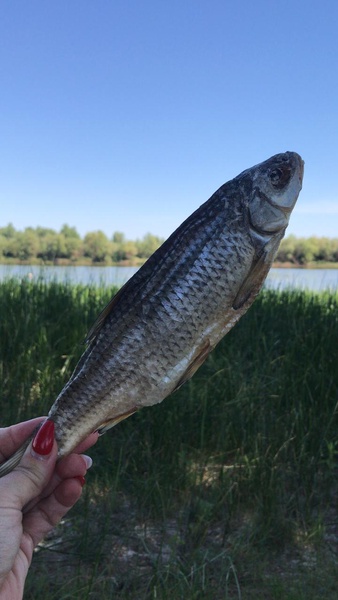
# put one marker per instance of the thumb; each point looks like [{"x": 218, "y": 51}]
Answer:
[{"x": 35, "y": 469}]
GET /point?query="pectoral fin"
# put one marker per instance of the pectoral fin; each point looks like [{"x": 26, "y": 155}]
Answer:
[
  {"x": 114, "y": 421},
  {"x": 252, "y": 282},
  {"x": 195, "y": 364}
]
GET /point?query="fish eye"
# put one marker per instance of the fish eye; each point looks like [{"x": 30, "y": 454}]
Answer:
[
  {"x": 280, "y": 176},
  {"x": 276, "y": 175}
]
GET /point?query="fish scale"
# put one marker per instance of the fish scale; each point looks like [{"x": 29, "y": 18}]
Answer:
[{"x": 162, "y": 324}]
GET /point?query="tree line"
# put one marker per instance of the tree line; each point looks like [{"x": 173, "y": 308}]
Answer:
[
  {"x": 302, "y": 251},
  {"x": 47, "y": 245}
]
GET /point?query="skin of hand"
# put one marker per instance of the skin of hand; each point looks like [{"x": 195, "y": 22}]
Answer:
[{"x": 34, "y": 497}]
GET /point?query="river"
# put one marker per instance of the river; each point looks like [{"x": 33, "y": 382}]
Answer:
[{"x": 313, "y": 279}]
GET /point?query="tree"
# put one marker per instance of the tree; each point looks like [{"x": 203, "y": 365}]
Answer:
[
  {"x": 96, "y": 246},
  {"x": 70, "y": 232},
  {"x": 129, "y": 250},
  {"x": 287, "y": 249},
  {"x": 52, "y": 246},
  {"x": 11, "y": 248},
  {"x": 2, "y": 244},
  {"x": 29, "y": 244},
  {"x": 44, "y": 231},
  {"x": 305, "y": 251},
  {"x": 126, "y": 250},
  {"x": 148, "y": 245},
  {"x": 9, "y": 231},
  {"x": 118, "y": 237},
  {"x": 72, "y": 242}
]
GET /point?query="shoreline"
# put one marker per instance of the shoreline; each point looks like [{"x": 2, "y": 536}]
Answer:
[{"x": 139, "y": 263}]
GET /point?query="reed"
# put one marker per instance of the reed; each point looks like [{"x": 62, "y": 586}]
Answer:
[{"x": 208, "y": 493}]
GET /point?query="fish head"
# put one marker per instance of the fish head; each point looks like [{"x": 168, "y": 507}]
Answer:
[
  {"x": 269, "y": 193},
  {"x": 275, "y": 185}
]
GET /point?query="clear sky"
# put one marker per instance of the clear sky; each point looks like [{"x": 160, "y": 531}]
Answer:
[{"x": 127, "y": 115}]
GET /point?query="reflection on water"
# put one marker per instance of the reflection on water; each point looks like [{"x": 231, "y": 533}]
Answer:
[{"x": 313, "y": 279}]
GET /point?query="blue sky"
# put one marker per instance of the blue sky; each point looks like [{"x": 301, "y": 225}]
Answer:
[{"x": 127, "y": 115}]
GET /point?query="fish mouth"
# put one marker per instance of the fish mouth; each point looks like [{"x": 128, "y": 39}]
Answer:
[{"x": 301, "y": 167}]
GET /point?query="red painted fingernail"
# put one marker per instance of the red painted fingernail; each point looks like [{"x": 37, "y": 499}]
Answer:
[
  {"x": 81, "y": 479},
  {"x": 44, "y": 439}
]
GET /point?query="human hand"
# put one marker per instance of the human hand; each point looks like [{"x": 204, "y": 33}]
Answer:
[{"x": 34, "y": 497}]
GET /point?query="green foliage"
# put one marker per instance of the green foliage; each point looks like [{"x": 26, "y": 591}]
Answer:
[
  {"x": 303, "y": 251},
  {"x": 28, "y": 244},
  {"x": 49, "y": 246},
  {"x": 96, "y": 246},
  {"x": 148, "y": 245},
  {"x": 8, "y": 232},
  {"x": 118, "y": 238}
]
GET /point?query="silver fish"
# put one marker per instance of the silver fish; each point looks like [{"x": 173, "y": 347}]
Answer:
[{"x": 160, "y": 327}]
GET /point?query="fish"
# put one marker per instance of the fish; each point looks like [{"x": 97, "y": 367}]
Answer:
[{"x": 162, "y": 324}]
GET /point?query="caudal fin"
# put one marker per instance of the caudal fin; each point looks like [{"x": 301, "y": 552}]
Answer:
[{"x": 14, "y": 460}]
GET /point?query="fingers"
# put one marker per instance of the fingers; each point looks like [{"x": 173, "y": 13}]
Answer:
[
  {"x": 35, "y": 469},
  {"x": 49, "y": 511},
  {"x": 74, "y": 465},
  {"x": 61, "y": 493},
  {"x": 34, "y": 479},
  {"x": 11, "y": 438},
  {"x": 39, "y": 486}
]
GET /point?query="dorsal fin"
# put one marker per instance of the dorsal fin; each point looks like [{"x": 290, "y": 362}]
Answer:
[{"x": 97, "y": 326}]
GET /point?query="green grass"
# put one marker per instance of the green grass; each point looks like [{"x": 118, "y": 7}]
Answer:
[{"x": 226, "y": 490}]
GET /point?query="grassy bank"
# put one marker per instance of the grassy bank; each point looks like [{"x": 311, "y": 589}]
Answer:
[{"x": 225, "y": 490}]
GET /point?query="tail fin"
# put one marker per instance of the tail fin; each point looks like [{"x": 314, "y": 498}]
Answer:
[{"x": 14, "y": 460}]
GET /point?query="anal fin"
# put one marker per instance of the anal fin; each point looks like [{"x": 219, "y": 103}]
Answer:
[{"x": 114, "y": 421}]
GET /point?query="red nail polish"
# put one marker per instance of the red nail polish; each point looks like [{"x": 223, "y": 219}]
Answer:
[
  {"x": 81, "y": 479},
  {"x": 44, "y": 439}
]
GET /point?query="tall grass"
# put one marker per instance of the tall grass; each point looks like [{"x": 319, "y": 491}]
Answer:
[{"x": 191, "y": 498}]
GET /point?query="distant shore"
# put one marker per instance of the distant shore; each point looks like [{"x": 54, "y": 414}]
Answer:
[
  {"x": 310, "y": 265},
  {"x": 138, "y": 262}
]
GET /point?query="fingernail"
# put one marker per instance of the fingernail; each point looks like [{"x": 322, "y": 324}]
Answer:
[
  {"x": 44, "y": 439},
  {"x": 81, "y": 479},
  {"x": 88, "y": 460}
]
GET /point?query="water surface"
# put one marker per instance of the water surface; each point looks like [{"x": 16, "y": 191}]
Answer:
[
  {"x": 85, "y": 275},
  {"x": 311, "y": 279}
]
